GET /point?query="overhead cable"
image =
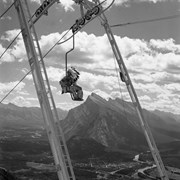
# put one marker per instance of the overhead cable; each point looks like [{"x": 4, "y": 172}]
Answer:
[
  {"x": 13, "y": 88},
  {"x": 30, "y": 70},
  {"x": 6, "y": 10},
  {"x": 58, "y": 42},
  {"x": 146, "y": 21},
  {"x": 14, "y": 39},
  {"x": 10, "y": 44}
]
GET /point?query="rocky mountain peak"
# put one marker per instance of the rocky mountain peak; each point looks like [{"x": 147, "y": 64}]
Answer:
[
  {"x": 102, "y": 121},
  {"x": 114, "y": 124}
]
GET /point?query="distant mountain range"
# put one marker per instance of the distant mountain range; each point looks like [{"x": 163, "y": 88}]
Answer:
[
  {"x": 115, "y": 124},
  {"x": 110, "y": 124},
  {"x": 12, "y": 116}
]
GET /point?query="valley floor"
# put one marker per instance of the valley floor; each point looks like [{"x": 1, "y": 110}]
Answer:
[{"x": 26, "y": 155}]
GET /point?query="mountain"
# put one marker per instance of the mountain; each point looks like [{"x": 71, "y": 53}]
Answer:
[
  {"x": 167, "y": 116},
  {"x": 12, "y": 116},
  {"x": 115, "y": 124},
  {"x": 98, "y": 131}
]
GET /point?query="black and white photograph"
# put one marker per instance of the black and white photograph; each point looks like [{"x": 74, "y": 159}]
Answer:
[{"x": 89, "y": 89}]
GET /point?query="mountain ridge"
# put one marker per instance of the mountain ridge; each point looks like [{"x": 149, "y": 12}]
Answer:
[
  {"x": 112, "y": 123},
  {"x": 115, "y": 124},
  {"x": 16, "y": 117}
]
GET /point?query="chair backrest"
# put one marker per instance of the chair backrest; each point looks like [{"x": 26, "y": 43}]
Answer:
[{"x": 73, "y": 74}]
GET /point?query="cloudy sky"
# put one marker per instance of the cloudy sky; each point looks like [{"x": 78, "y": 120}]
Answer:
[{"x": 151, "y": 52}]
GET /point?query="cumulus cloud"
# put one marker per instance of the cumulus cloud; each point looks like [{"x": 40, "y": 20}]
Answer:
[
  {"x": 68, "y": 4},
  {"x": 154, "y": 62},
  {"x": 124, "y": 95},
  {"x": 55, "y": 74},
  {"x": 92, "y": 51},
  {"x": 6, "y": 18},
  {"x": 16, "y": 51},
  {"x": 144, "y": 98},
  {"x": 21, "y": 101},
  {"x": 29, "y": 77},
  {"x": 167, "y": 61},
  {"x": 173, "y": 87},
  {"x": 150, "y": 67},
  {"x": 37, "y": 1},
  {"x": 53, "y": 88},
  {"x": 7, "y": 57},
  {"x": 67, "y": 105},
  {"x": 108, "y": 83},
  {"x": 4, "y": 1},
  {"x": 11, "y": 34},
  {"x": 94, "y": 81},
  {"x": 130, "y": 46},
  {"x": 88, "y": 48},
  {"x": 121, "y": 2},
  {"x": 153, "y": 65},
  {"x": 6, "y": 87},
  {"x": 165, "y": 45},
  {"x": 102, "y": 94}
]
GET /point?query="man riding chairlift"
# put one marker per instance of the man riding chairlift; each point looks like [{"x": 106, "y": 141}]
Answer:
[{"x": 68, "y": 84}]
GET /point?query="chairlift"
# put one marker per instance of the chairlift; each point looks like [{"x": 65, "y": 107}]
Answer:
[{"x": 68, "y": 83}]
